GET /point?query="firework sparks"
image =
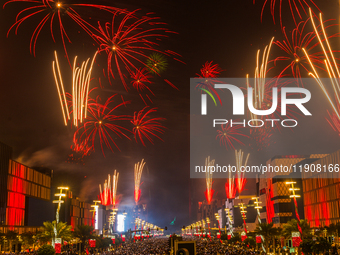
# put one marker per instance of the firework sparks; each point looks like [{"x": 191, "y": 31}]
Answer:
[
  {"x": 156, "y": 63},
  {"x": 227, "y": 135},
  {"x": 293, "y": 53},
  {"x": 208, "y": 179},
  {"x": 230, "y": 187},
  {"x": 259, "y": 79},
  {"x": 240, "y": 179},
  {"x": 145, "y": 126},
  {"x": 108, "y": 193},
  {"x": 52, "y": 13},
  {"x": 332, "y": 69},
  {"x": 101, "y": 122},
  {"x": 297, "y": 8},
  {"x": 140, "y": 78},
  {"x": 208, "y": 73},
  {"x": 138, "y": 176},
  {"x": 80, "y": 89},
  {"x": 126, "y": 43}
]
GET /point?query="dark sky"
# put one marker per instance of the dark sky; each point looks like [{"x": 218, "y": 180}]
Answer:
[{"x": 228, "y": 32}]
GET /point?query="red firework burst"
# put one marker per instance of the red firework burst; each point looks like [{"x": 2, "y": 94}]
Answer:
[
  {"x": 240, "y": 183},
  {"x": 297, "y": 7},
  {"x": 227, "y": 135},
  {"x": 208, "y": 73},
  {"x": 129, "y": 41},
  {"x": 230, "y": 188},
  {"x": 294, "y": 56},
  {"x": 140, "y": 78},
  {"x": 52, "y": 13},
  {"x": 101, "y": 122},
  {"x": 145, "y": 126}
]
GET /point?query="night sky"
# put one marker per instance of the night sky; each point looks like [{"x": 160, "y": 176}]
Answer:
[{"x": 227, "y": 32}]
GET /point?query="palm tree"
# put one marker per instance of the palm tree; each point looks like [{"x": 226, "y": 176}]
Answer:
[
  {"x": 28, "y": 239},
  {"x": 63, "y": 231},
  {"x": 84, "y": 233},
  {"x": 291, "y": 226},
  {"x": 11, "y": 237},
  {"x": 268, "y": 231}
]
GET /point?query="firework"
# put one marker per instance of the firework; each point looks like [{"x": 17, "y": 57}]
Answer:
[
  {"x": 297, "y": 8},
  {"x": 146, "y": 127},
  {"x": 101, "y": 122},
  {"x": 332, "y": 69},
  {"x": 80, "y": 89},
  {"x": 156, "y": 63},
  {"x": 208, "y": 179},
  {"x": 51, "y": 14},
  {"x": 293, "y": 53},
  {"x": 208, "y": 73},
  {"x": 240, "y": 179},
  {"x": 259, "y": 79},
  {"x": 108, "y": 193},
  {"x": 140, "y": 78},
  {"x": 138, "y": 175},
  {"x": 127, "y": 42},
  {"x": 230, "y": 187},
  {"x": 227, "y": 135}
]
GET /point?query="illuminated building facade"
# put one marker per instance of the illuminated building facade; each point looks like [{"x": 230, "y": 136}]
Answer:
[
  {"x": 274, "y": 193},
  {"x": 21, "y": 188},
  {"x": 321, "y": 191},
  {"x": 206, "y": 210}
]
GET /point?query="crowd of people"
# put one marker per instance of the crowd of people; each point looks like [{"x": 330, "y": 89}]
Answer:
[{"x": 162, "y": 246}]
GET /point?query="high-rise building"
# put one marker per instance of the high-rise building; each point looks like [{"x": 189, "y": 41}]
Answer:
[
  {"x": 22, "y": 190},
  {"x": 273, "y": 191},
  {"x": 321, "y": 189}
]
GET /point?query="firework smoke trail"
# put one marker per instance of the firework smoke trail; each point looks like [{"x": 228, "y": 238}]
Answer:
[
  {"x": 240, "y": 179},
  {"x": 208, "y": 179},
  {"x": 81, "y": 77},
  {"x": 138, "y": 175},
  {"x": 332, "y": 70},
  {"x": 296, "y": 6}
]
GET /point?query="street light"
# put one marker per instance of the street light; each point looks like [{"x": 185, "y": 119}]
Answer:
[
  {"x": 294, "y": 196},
  {"x": 59, "y": 202}
]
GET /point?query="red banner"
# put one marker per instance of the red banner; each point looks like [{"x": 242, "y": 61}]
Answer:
[
  {"x": 258, "y": 239},
  {"x": 244, "y": 237},
  {"x": 114, "y": 240},
  {"x": 229, "y": 236},
  {"x": 92, "y": 243},
  {"x": 218, "y": 235},
  {"x": 57, "y": 247},
  {"x": 123, "y": 238}
]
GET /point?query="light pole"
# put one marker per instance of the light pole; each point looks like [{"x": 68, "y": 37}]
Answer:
[
  {"x": 258, "y": 207},
  {"x": 59, "y": 202},
  {"x": 230, "y": 221},
  {"x": 243, "y": 213},
  {"x": 217, "y": 216},
  {"x": 294, "y": 196},
  {"x": 95, "y": 213}
]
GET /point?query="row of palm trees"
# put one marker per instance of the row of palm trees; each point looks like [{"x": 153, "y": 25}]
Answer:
[
  {"x": 81, "y": 234},
  {"x": 313, "y": 241}
]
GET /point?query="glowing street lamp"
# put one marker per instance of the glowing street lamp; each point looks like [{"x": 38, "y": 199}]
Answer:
[
  {"x": 59, "y": 195},
  {"x": 294, "y": 196}
]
